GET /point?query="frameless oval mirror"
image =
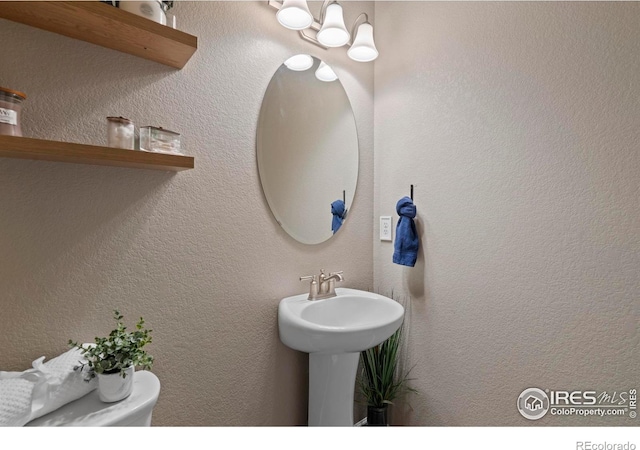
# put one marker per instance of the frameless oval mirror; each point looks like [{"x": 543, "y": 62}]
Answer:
[{"x": 307, "y": 149}]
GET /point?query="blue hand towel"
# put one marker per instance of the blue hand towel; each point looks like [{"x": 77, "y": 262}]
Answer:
[
  {"x": 338, "y": 210},
  {"x": 406, "y": 244}
]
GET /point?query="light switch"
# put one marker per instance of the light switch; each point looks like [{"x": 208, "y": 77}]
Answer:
[{"x": 385, "y": 228}]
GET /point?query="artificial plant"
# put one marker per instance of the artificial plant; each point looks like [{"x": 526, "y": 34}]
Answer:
[
  {"x": 381, "y": 380},
  {"x": 118, "y": 351}
]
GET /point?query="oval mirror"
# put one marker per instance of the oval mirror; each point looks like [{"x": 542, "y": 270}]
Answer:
[{"x": 307, "y": 149}]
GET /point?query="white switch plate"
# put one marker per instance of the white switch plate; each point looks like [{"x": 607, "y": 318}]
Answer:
[{"x": 385, "y": 228}]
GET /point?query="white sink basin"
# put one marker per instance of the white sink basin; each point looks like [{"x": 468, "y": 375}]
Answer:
[
  {"x": 334, "y": 331},
  {"x": 351, "y": 322}
]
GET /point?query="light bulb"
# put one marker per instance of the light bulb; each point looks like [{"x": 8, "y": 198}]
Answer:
[
  {"x": 333, "y": 32},
  {"x": 299, "y": 62},
  {"x": 363, "y": 48},
  {"x": 325, "y": 73},
  {"x": 295, "y": 15}
]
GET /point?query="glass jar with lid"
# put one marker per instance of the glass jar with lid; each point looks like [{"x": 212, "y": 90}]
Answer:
[
  {"x": 10, "y": 111},
  {"x": 157, "y": 139},
  {"x": 120, "y": 133}
]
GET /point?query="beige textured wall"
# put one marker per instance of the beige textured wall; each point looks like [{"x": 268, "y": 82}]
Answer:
[
  {"x": 518, "y": 125},
  {"x": 197, "y": 253}
]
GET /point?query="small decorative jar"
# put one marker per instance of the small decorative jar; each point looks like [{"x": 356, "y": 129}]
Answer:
[
  {"x": 120, "y": 133},
  {"x": 10, "y": 111}
]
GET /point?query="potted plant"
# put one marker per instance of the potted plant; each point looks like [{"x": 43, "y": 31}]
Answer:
[
  {"x": 113, "y": 359},
  {"x": 380, "y": 381}
]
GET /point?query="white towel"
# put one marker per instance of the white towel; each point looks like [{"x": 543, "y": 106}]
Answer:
[
  {"x": 42, "y": 389},
  {"x": 15, "y": 402}
]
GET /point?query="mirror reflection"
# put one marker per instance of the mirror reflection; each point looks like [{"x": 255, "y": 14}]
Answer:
[{"x": 307, "y": 149}]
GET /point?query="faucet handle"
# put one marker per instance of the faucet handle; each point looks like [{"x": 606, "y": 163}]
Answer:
[{"x": 313, "y": 287}]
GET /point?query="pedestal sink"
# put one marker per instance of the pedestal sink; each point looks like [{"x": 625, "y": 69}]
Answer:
[{"x": 334, "y": 331}]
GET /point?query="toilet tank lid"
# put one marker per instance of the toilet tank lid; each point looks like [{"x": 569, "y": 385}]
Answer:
[{"x": 90, "y": 411}]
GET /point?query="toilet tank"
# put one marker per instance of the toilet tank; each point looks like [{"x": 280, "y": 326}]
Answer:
[{"x": 90, "y": 411}]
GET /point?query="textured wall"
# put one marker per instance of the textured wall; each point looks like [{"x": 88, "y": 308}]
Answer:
[
  {"x": 197, "y": 253},
  {"x": 518, "y": 125}
]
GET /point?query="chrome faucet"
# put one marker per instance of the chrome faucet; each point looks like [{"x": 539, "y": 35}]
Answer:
[{"x": 324, "y": 286}]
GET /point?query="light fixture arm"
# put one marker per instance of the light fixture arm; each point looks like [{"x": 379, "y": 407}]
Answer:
[
  {"x": 311, "y": 39},
  {"x": 323, "y": 9}
]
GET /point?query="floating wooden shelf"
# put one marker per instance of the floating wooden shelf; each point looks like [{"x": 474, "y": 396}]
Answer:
[
  {"x": 39, "y": 149},
  {"x": 107, "y": 26}
]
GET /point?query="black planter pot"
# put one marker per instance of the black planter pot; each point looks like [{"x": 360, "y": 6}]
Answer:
[{"x": 377, "y": 417}]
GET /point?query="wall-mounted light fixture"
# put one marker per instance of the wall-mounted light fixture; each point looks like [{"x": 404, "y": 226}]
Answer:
[{"x": 330, "y": 30}]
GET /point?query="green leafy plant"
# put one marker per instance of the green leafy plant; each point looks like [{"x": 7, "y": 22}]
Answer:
[
  {"x": 380, "y": 381},
  {"x": 118, "y": 351}
]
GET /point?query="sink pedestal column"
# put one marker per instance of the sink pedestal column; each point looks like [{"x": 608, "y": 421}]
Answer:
[{"x": 332, "y": 381}]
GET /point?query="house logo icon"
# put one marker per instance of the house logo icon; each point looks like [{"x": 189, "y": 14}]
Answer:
[{"x": 533, "y": 403}]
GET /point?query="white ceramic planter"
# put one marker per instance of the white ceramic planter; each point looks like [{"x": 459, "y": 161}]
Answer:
[{"x": 112, "y": 387}]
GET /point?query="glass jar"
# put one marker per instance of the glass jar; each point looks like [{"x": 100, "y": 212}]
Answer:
[
  {"x": 120, "y": 133},
  {"x": 10, "y": 111},
  {"x": 154, "y": 139}
]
